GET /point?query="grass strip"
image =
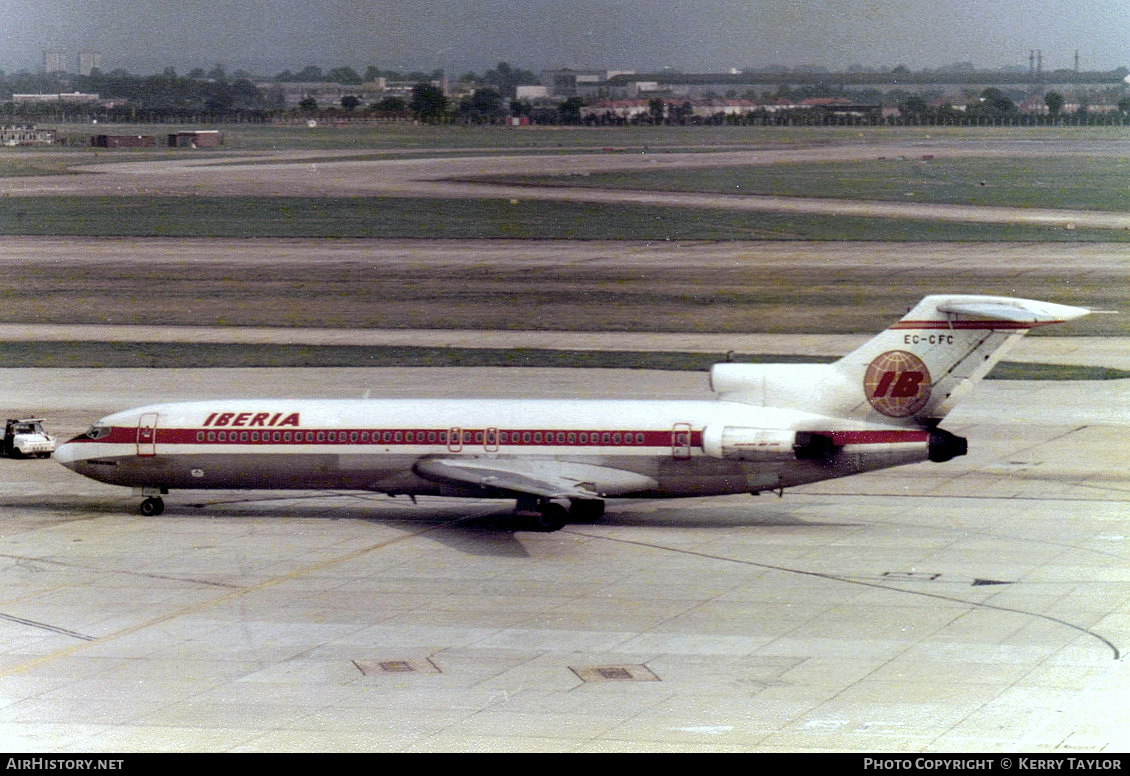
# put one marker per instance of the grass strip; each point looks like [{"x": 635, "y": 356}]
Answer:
[
  {"x": 494, "y": 219},
  {"x": 126, "y": 355}
]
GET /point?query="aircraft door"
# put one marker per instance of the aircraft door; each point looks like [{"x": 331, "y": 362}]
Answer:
[
  {"x": 147, "y": 435},
  {"x": 455, "y": 439},
  {"x": 681, "y": 441}
]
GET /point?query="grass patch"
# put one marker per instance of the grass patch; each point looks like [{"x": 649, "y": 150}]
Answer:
[
  {"x": 124, "y": 355},
  {"x": 683, "y": 290},
  {"x": 413, "y": 218},
  {"x": 1065, "y": 182}
]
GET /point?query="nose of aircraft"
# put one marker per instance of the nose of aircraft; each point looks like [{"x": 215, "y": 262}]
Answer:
[{"x": 66, "y": 454}]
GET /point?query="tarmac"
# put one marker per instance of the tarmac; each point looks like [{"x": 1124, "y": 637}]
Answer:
[
  {"x": 981, "y": 605},
  {"x": 978, "y": 605}
]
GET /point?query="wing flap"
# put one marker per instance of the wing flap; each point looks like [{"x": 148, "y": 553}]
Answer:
[{"x": 544, "y": 479}]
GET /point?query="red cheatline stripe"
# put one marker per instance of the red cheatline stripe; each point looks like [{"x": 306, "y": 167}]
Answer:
[
  {"x": 841, "y": 438},
  {"x": 473, "y": 438},
  {"x": 396, "y": 437}
]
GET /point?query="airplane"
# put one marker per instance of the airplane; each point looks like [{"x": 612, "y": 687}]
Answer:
[{"x": 769, "y": 427}]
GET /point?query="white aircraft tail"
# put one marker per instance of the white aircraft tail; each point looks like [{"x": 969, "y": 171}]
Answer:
[{"x": 911, "y": 374}]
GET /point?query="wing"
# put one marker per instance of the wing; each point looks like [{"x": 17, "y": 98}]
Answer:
[{"x": 543, "y": 479}]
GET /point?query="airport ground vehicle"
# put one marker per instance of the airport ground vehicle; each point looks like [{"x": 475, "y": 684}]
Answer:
[{"x": 26, "y": 438}]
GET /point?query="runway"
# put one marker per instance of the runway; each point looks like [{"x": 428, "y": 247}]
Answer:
[{"x": 978, "y": 605}]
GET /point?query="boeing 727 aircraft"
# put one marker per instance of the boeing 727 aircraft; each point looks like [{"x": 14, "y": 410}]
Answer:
[{"x": 770, "y": 427}]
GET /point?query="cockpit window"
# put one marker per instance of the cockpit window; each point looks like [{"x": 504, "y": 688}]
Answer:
[{"x": 97, "y": 432}]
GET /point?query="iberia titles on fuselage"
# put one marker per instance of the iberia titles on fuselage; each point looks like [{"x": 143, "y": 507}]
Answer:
[{"x": 769, "y": 427}]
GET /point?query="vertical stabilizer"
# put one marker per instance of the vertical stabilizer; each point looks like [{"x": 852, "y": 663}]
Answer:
[{"x": 919, "y": 368}]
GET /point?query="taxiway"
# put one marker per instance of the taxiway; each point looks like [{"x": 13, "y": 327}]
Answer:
[{"x": 978, "y": 605}]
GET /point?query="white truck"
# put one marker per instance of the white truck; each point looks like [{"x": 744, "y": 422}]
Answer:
[{"x": 25, "y": 438}]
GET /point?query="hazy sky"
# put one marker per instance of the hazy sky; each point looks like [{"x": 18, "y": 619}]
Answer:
[{"x": 144, "y": 36}]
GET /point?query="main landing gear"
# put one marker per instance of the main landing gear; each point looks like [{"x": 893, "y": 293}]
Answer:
[
  {"x": 152, "y": 506},
  {"x": 546, "y": 516}
]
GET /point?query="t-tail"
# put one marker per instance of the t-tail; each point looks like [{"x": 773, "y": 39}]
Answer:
[{"x": 910, "y": 375}]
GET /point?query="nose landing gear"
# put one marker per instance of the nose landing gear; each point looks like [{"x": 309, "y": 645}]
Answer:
[{"x": 152, "y": 506}]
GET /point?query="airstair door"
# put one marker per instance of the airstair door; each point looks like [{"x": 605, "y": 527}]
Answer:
[
  {"x": 681, "y": 441},
  {"x": 147, "y": 435}
]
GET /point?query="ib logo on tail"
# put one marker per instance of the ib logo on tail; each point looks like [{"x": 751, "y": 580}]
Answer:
[{"x": 897, "y": 383}]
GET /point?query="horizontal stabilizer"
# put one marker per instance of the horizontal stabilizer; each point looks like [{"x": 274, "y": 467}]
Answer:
[{"x": 1011, "y": 310}]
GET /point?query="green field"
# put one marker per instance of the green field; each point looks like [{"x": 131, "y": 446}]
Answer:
[
  {"x": 1066, "y": 182},
  {"x": 493, "y": 219}
]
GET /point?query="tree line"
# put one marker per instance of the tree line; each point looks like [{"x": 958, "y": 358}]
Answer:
[{"x": 217, "y": 96}]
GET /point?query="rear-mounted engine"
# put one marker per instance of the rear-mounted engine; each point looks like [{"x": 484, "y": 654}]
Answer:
[
  {"x": 945, "y": 446},
  {"x": 739, "y": 443}
]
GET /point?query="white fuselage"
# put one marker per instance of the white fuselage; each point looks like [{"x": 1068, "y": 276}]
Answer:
[
  {"x": 771, "y": 426},
  {"x": 623, "y": 448}
]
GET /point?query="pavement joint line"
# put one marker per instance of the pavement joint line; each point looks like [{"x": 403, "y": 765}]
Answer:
[{"x": 218, "y": 601}]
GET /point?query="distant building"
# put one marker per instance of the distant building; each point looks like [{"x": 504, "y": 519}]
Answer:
[
  {"x": 328, "y": 94},
  {"x": 54, "y": 61},
  {"x": 586, "y": 84},
  {"x": 25, "y": 135},
  {"x": 123, "y": 141},
  {"x": 89, "y": 61},
  {"x": 592, "y": 85},
  {"x": 200, "y": 138},
  {"x": 63, "y": 97},
  {"x": 532, "y": 93}
]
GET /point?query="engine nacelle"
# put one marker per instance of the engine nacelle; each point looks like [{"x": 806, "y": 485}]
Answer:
[
  {"x": 739, "y": 443},
  {"x": 944, "y": 446}
]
